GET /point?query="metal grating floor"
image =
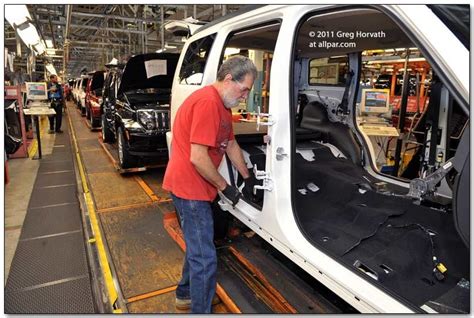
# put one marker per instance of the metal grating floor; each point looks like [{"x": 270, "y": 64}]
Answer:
[
  {"x": 52, "y": 220},
  {"x": 72, "y": 297},
  {"x": 39, "y": 261},
  {"x": 49, "y": 272}
]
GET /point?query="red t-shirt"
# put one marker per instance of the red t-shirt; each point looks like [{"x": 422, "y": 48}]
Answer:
[{"x": 201, "y": 119}]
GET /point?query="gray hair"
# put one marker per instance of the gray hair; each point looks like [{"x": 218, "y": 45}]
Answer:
[{"x": 237, "y": 66}]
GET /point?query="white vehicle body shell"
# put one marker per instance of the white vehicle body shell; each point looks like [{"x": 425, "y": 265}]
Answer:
[{"x": 276, "y": 222}]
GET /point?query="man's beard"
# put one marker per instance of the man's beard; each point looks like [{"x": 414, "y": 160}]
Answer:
[{"x": 230, "y": 102}]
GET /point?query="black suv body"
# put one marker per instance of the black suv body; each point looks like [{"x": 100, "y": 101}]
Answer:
[{"x": 136, "y": 107}]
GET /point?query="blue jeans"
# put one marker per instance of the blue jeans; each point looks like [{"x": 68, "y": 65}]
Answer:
[{"x": 198, "y": 281}]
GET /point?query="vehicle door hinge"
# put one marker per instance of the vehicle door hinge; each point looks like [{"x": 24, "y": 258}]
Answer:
[
  {"x": 280, "y": 153},
  {"x": 260, "y": 116},
  {"x": 265, "y": 176}
]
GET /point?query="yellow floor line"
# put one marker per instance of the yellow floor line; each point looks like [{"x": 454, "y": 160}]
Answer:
[
  {"x": 33, "y": 148},
  {"x": 104, "y": 263},
  {"x": 146, "y": 188},
  {"x": 123, "y": 207}
]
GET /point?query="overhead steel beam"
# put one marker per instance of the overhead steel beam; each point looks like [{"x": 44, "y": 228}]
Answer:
[
  {"x": 68, "y": 19},
  {"x": 81, "y": 48},
  {"x": 90, "y": 27},
  {"x": 162, "y": 27},
  {"x": 114, "y": 39},
  {"x": 48, "y": 11},
  {"x": 206, "y": 12},
  {"x": 88, "y": 44},
  {"x": 66, "y": 36},
  {"x": 116, "y": 17},
  {"x": 52, "y": 31}
]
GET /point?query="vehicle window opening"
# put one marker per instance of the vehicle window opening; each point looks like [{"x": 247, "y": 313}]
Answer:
[
  {"x": 258, "y": 44},
  {"x": 195, "y": 59}
]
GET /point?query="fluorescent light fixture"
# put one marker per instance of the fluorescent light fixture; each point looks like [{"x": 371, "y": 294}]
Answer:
[
  {"x": 28, "y": 34},
  {"x": 416, "y": 59},
  {"x": 231, "y": 51},
  {"x": 170, "y": 46},
  {"x": 160, "y": 50},
  {"x": 16, "y": 14},
  {"x": 50, "y": 68},
  {"x": 39, "y": 48},
  {"x": 49, "y": 44}
]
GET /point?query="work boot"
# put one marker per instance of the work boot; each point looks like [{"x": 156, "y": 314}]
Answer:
[
  {"x": 50, "y": 131},
  {"x": 59, "y": 131},
  {"x": 185, "y": 304}
]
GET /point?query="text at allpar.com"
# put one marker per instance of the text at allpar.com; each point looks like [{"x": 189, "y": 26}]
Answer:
[{"x": 330, "y": 45}]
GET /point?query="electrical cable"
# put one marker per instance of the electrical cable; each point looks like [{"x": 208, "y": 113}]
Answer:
[{"x": 438, "y": 268}]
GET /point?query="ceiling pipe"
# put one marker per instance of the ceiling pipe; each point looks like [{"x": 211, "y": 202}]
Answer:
[
  {"x": 66, "y": 36},
  {"x": 52, "y": 31},
  {"x": 68, "y": 20},
  {"x": 162, "y": 27}
]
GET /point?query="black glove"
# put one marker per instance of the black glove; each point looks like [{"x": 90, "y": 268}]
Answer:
[
  {"x": 248, "y": 187},
  {"x": 232, "y": 193}
]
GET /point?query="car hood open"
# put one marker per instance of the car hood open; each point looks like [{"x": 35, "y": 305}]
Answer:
[{"x": 152, "y": 70}]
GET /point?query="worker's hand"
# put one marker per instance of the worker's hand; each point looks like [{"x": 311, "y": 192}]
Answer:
[
  {"x": 232, "y": 193},
  {"x": 248, "y": 187}
]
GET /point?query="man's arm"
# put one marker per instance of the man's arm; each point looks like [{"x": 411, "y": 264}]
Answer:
[
  {"x": 203, "y": 164},
  {"x": 235, "y": 155},
  {"x": 61, "y": 91}
]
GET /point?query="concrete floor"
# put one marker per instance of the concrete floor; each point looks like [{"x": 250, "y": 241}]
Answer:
[{"x": 22, "y": 172}]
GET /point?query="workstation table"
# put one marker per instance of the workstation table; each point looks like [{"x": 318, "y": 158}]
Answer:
[{"x": 36, "y": 112}]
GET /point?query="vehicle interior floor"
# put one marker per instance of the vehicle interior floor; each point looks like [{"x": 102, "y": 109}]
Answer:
[
  {"x": 388, "y": 235},
  {"x": 340, "y": 210}
]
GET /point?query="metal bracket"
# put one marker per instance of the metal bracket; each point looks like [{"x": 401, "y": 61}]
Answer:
[
  {"x": 280, "y": 154},
  {"x": 265, "y": 176},
  {"x": 260, "y": 116}
]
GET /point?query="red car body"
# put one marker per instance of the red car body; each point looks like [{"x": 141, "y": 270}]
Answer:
[{"x": 94, "y": 98}]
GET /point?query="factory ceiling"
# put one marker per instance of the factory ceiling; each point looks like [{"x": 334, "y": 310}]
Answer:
[{"x": 86, "y": 36}]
